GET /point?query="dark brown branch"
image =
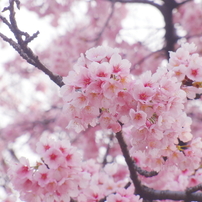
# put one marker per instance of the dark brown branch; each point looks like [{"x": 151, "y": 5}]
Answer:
[
  {"x": 17, "y": 47},
  {"x": 194, "y": 189},
  {"x": 107, "y": 150},
  {"x": 179, "y": 4},
  {"x": 12, "y": 153},
  {"x": 30, "y": 38},
  {"x": 193, "y": 36},
  {"x": 21, "y": 46},
  {"x": 170, "y": 31},
  {"x": 5, "y": 21},
  {"x": 145, "y": 172},
  {"x": 139, "y": 1},
  {"x": 148, "y": 193},
  {"x": 129, "y": 162}
]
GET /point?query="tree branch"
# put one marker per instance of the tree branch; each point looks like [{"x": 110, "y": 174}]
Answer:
[
  {"x": 149, "y": 193},
  {"x": 194, "y": 189},
  {"x": 152, "y": 194},
  {"x": 139, "y": 1},
  {"x": 21, "y": 46},
  {"x": 145, "y": 172},
  {"x": 179, "y": 4},
  {"x": 107, "y": 150},
  {"x": 129, "y": 162}
]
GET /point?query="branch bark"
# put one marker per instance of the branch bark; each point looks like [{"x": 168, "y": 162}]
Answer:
[
  {"x": 21, "y": 46},
  {"x": 130, "y": 163}
]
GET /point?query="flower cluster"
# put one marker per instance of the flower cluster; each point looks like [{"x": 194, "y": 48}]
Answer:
[
  {"x": 98, "y": 88},
  {"x": 101, "y": 90},
  {"x": 156, "y": 140},
  {"x": 62, "y": 176},
  {"x": 124, "y": 195},
  {"x": 187, "y": 68},
  {"x": 49, "y": 180}
]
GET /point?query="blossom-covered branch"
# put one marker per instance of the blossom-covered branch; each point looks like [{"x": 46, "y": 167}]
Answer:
[{"x": 152, "y": 194}]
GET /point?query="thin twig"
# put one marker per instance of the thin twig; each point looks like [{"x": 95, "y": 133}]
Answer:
[
  {"x": 149, "y": 193},
  {"x": 145, "y": 173},
  {"x": 144, "y": 58},
  {"x": 105, "y": 24},
  {"x": 107, "y": 150},
  {"x": 179, "y": 4}
]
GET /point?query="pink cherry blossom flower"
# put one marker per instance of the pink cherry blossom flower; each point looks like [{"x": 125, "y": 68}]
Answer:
[
  {"x": 194, "y": 70},
  {"x": 53, "y": 158},
  {"x": 63, "y": 145},
  {"x": 108, "y": 121},
  {"x": 84, "y": 79},
  {"x": 96, "y": 54},
  {"x": 67, "y": 184},
  {"x": 111, "y": 89},
  {"x": 100, "y": 71},
  {"x": 190, "y": 47},
  {"x": 67, "y": 91},
  {"x": 191, "y": 91},
  {"x": 95, "y": 87},
  {"x": 141, "y": 93},
  {"x": 81, "y": 100},
  {"x": 42, "y": 176},
  {"x": 44, "y": 144},
  {"x": 117, "y": 198},
  {"x": 120, "y": 67},
  {"x": 94, "y": 194},
  {"x": 180, "y": 57},
  {"x": 23, "y": 169},
  {"x": 72, "y": 157},
  {"x": 165, "y": 121},
  {"x": 71, "y": 78},
  {"x": 180, "y": 71},
  {"x": 94, "y": 99},
  {"x": 147, "y": 79},
  {"x": 89, "y": 114},
  {"x": 111, "y": 168},
  {"x": 70, "y": 111},
  {"x": 138, "y": 118},
  {"x": 77, "y": 124},
  {"x": 124, "y": 195},
  {"x": 32, "y": 197}
]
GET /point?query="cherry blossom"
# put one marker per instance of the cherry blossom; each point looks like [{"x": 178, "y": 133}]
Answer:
[
  {"x": 125, "y": 124},
  {"x": 59, "y": 171}
]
